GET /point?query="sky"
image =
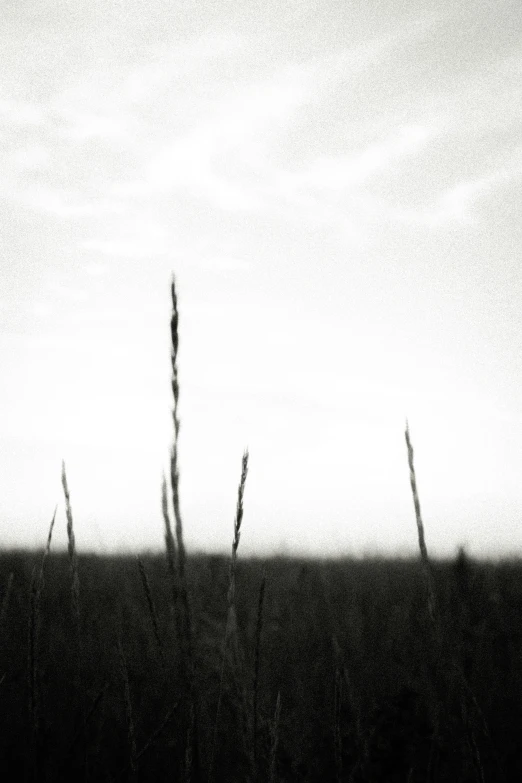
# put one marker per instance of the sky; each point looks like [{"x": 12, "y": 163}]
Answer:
[{"x": 337, "y": 188}]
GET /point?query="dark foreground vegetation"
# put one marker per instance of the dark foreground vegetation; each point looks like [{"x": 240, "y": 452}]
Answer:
[{"x": 327, "y": 671}]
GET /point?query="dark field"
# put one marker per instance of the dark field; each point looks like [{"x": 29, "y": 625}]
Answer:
[{"x": 369, "y": 688}]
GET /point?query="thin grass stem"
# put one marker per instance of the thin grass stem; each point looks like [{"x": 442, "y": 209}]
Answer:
[
  {"x": 152, "y": 608},
  {"x": 432, "y": 603},
  {"x": 230, "y": 621},
  {"x": 37, "y": 584}
]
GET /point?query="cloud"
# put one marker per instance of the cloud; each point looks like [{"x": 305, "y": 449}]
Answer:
[
  {"x": 31, "y": 157},
  {"x": 177, "y": 61},
  {"x": 41, "y": 310},
  {"x": 346, "y": 171},
  {"x": 20, "y": 114},
  {"x": 55, "y": 201},
  {"x": 39, "y": 159},
  {"x": 211, "y": 118},
  {"x": 218, "y": 158},
  {"x": 145, "y": 238},
  {"x": 225, "y": 153},
  {"x": 64, "y": 203},
  {"x": 354, "y": 61},
  {"x": 66, "y": 292},
  {"x": 81, "y": 126},
  {"x": 225, "y": 158},
  {"x": 216, "y": 263},
  {"x": 94, "y": 269},
  {"x": 337, "y": 190},
  {"x": 456, "y": 204}
]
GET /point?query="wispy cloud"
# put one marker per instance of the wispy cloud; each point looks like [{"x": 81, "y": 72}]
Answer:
[
  {"x": 346, "y": 171},
  {"x": 140, "y": 240},
  {"x": 457, "y": 203},
  {"x": 67, "y": 292},
  {"x": 223, "y": 264},
  {"x": 65, "y": 203},
  {"x": 219, "y": 157},
  {"x": 20, "y": 114},
  {"x": 94, "y": 269},
  {"x": 82, "y": 126},
  {"x": 169, "y": 66},
  {"x": 227, "y": 157},
  {"x": 31, "y": 157},
  {"x": 203, "y": 118},
  {"x": 235, "y": 114}
]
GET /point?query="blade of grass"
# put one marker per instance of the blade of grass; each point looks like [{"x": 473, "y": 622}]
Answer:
[{"x": 230, "y": 621}]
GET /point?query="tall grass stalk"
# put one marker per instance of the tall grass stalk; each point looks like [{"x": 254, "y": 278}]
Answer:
[
  {"x": 467, "y": 701},
  {"x": 174, "y": 467},
  {"x": 75, "y": 601},
  {"x": 185, "y": 631},
  {"x": 231, "y": 609},
  {"x": 37, "y": 584},
  {"x": 170, "y": 551},
  {"x": 440, "y": 685},
  {"x": 430, "y": 586},
  {"x": 174, "y": 480},
  {"x": 237, "y": 532},
  {"x": 170, "y": 544}
]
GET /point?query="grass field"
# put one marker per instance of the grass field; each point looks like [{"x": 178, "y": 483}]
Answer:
[
  {"x": 364, "y": 691},
  {"x": 207, "y": 668}
]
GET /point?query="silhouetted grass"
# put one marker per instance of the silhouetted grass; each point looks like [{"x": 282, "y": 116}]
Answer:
[{"x": 381, "y": 721}]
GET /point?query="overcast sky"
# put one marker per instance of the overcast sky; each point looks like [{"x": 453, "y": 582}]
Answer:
[{"x": 338, "y": 188}]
